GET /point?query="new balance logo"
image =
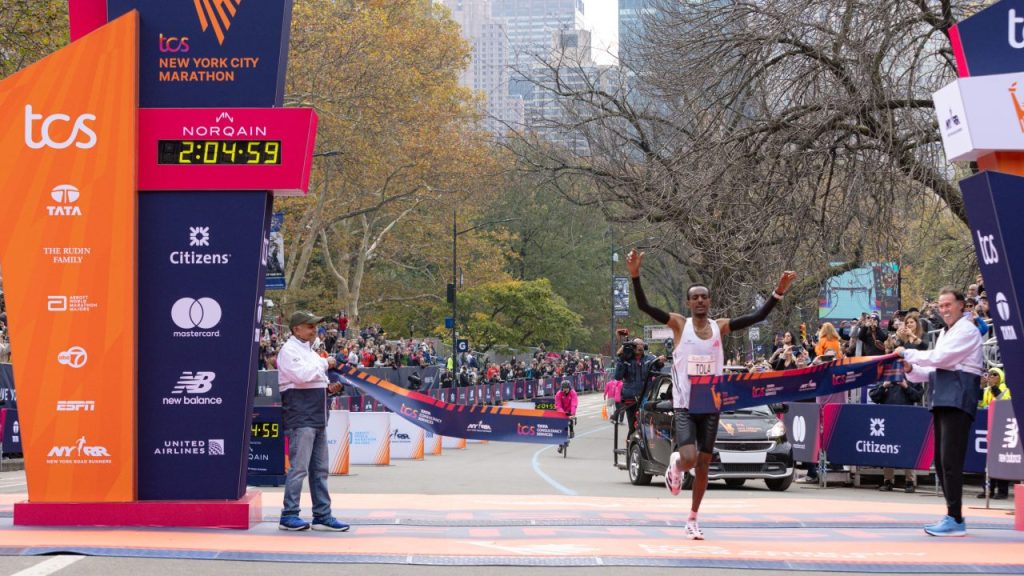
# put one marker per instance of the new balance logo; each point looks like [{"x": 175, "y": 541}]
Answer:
[
  {"x": 216, "y": 13},
  {"x": 194, "y": 383}
]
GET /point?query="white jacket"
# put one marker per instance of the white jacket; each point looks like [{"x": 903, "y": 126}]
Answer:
[{"x": 299, "y": 367}]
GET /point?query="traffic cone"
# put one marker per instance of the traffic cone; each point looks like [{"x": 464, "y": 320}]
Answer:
[{"x": 604, "y": 412}]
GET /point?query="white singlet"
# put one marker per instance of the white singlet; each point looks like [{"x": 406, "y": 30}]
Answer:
[{"x": 693, "y": 356}]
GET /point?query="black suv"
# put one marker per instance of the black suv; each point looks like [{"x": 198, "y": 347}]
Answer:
[{"x": 751, "y": 444}]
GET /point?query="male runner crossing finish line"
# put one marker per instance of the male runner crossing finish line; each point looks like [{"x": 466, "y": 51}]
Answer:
[{"x": 698, "y": 352}]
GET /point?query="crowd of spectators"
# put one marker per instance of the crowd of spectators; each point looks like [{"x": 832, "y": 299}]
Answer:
[{"x": 476, "y": 369}]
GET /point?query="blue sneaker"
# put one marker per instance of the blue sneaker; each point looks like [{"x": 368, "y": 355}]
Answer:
[
  {"x": 947, "y": 527},
  {"x": 293, "y": 523},
  {"x": 330, "y": 524}
]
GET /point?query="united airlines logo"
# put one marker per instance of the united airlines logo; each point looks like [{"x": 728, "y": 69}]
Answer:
[{"x": 216, "y": 13}]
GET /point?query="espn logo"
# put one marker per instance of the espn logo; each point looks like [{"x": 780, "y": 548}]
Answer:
[{"x": 76, "y": 406}]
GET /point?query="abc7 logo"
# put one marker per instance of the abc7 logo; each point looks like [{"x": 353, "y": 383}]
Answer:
[
  {"x": 188, "y": 313},
  {"x": 74, "y": 357}
]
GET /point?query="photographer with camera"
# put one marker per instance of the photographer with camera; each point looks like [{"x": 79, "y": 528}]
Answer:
[
  {"x": 633, "y": 367},
  {"x": 872, "y": 336}
]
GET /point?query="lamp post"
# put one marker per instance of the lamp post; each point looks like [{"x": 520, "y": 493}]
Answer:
[{"x": 453, "y": 287}]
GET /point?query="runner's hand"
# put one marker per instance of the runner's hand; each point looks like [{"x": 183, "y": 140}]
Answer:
[
  {"x": 633, "y": 260},
  {"x": 787, "y": 278}
]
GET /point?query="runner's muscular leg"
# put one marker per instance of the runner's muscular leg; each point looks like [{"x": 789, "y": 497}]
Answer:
[
  {"x": 687, "y": 457},
  {"x": 700, "y": 481}
]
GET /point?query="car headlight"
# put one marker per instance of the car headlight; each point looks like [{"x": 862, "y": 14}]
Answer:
[{"x": 778, "y": 431}]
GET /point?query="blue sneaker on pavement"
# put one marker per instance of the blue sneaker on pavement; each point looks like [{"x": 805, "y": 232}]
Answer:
[
  {"x": 330, "y": 524},
  {"x": 947, "y": 527},
  {"x": 293, "y": 523}
]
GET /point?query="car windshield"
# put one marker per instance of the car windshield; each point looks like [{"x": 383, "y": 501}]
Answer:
[{"x": 759, "y": 410}]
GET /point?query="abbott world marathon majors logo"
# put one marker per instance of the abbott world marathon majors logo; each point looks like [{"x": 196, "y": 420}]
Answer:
[
  {"x": 196, "y": 318},
  {"x": 876, "y": 429},
  {"x": 193, "y": 389},
  {"x": 212, "y": 447},
  {"x": 199, "y": 238}
]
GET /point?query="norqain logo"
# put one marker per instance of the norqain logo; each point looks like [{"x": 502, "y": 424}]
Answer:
[{"x": 45, "y": 141}]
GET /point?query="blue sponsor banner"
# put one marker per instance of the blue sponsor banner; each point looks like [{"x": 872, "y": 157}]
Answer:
[
  {"x": 994, "y": 203},
  {"x": 471, "y": 422},
  {"x": 275, "y": 254},
  {"x": 8, "y": 395},
  {"x": 878, "y": 435},
  {"x": 710, "y": 394},
  {"x": 11, "y": 436},
  {"x": 803, "y": 421},
  {"x": 1005, "y": 457},
  {"x": 201, "y": 275},
  {"x": 210, "y": 53},
  {"x": 992, "y": 39},
  {"x": 977, "y": 444}
]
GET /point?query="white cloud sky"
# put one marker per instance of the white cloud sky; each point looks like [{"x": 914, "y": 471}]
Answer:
[{"x": 602, "y": 17}]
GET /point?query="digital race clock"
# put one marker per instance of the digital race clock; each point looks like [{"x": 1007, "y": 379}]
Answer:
[
  {"x": 266, "y": 430},
  {"x": 219, "y": 152},
  {"x": 226, "y": 149}
]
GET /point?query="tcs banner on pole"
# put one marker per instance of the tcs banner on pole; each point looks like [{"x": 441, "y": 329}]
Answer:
[{"x": 67, "y": 191}]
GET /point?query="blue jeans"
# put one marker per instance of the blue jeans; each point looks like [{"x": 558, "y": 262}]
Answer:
[{"x": 307, "y": 453}]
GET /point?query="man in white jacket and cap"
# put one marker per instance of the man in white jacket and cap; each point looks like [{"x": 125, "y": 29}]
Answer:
[{"x": 302, "y": 378}]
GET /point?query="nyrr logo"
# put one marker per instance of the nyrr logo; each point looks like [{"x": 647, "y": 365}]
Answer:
[
  {"x": 66, "y": 197},
  {"x": 45, "y": 141},
  {"x": 216, "y": 13},
  {"x": 78, "y": 453}
]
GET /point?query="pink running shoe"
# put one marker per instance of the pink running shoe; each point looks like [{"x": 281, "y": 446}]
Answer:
[{"x": 673, "y": 479}]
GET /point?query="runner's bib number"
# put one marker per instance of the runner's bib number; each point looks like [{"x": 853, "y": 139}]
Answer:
[{"x": 700, "y": 365}]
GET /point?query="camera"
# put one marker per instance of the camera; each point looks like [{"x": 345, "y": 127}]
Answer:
[{"x": 628, "y": 350}]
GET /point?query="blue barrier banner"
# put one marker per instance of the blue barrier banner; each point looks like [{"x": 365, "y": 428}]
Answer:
[
  {"x": 977, "y": 444},
  {"x": 1005, "y": 453},
  {"x": 12, "y": 433},
  {"x": 803, "y": 420},
  {"x": 208, "y": 54},
  {"x": 7, "y": 392},
  {"x": 201, "y": 274},
  {"x": 470, "y": 422},
  {"x": 710, "y": 394},
  {"x": 878, "y": 435}
]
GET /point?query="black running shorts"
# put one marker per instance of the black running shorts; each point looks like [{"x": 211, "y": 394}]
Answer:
[{"x": 700, "y": 429}]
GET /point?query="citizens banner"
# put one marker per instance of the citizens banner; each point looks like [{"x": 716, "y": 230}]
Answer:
[
  {"x": 461, "y": 421},
  {"x": 710, "y": 394}
]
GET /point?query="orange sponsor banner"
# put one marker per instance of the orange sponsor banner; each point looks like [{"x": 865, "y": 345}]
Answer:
[{"x": 68, "y": 251}]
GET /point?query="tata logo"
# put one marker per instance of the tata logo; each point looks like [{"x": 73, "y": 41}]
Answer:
[
  {"x": 878, "y": 427},
  {"x": 74, "y": 357},
  {"x": 524, "y": 430},
  {"x": 66, "y": 198},
  {"x": 987, "y": 247},
  {"x": 173, "y": 44},
  {"x": 45, "y": 141},
  {"x": 216, "y": 14},
  {"x": 194, "y": 383}
]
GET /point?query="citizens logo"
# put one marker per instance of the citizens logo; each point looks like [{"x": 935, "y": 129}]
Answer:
[
  {"x": 198, "y": 237},
  {"x": 45, "y": 140},
  {"x": 66, "y": 197},
  {"x": 878, "y": 427},
  {"x": 61, "y": 303},
  {"x": 74, "y": 357},
  {"x": 78, "y": 453},
  {"x": 216, "y": 14},
  {"x": 189, "y": 313},
  {"x": 76, "y": 406},
  {"x": 799, "y": 429},
  {"x": 192, "y": 390}
]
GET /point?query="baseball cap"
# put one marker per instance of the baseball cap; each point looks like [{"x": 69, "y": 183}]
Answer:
[
  {"x": 873, "y": 315},
  {"x": 303, "y": 317}
]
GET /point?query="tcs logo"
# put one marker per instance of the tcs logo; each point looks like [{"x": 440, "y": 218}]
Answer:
[
  {"x": 45, "y": 141},
  {"x": 409, "y": 412},
  {"x": 524, "y": 430},
  {"x": 173, "y": 43}
]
